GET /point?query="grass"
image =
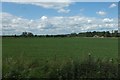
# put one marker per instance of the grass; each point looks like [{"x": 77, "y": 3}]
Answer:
[
  {"x": 45, "y": 56},
  {"x": 0, "y": 57},
  {"x": 45, "y": 48},
  {"x": 70, "y": 69}
]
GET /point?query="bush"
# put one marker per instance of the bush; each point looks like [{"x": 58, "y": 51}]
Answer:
[{"x": 70, "y": 69}]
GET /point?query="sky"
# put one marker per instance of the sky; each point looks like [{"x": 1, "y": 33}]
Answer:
[{"x": 58, "y": 17}]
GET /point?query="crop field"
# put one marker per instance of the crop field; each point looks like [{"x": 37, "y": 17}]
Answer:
[
  {"x": 61, "y": 48},
  {"x": 18, "y": 53},
  {"x": 0, "y": 57}
]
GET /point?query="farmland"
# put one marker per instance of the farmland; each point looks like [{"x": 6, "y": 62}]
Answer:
[
  {"x": 43, "y": 48},
  {"x": 58, "y": 49},
  {"x": 0, "y": 57}
]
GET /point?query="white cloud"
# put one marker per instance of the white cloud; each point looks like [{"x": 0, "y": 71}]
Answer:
[
  {"x": 54, "y": 5},
  {"x": 63, "y": 10},
  {"x": 101, "y": 13},
  {"x": 61, "y": 7},
  {"x": 43, "y": 18},
  {"x": 107, "y": 20},
  {"x": 112, "y": 5},
  {"x": 55, "y": 25},
  {"x": 89, "y": 21},
  {"x": 12, "y": 24}
]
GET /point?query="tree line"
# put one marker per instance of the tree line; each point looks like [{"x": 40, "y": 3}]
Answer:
[{"x": 82, "y": 34}]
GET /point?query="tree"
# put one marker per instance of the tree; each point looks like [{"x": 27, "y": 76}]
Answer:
[
  {"x": 116, "y": 33},
  {"x": 94, "y": 33},
  {"x": 89, "y": 34},
  {"x": 30, "y": 34},
  {"x": 108, "y": 34},
  {"x": 15, "y": 35},
  {"x": 27, "y": 34},
  {"x": 36, "y": 35},
  {"x": 24, "y": 34},
  {"x": 73, "y": 34}
]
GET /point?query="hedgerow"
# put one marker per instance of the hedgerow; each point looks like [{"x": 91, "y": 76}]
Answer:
[{"x": 71, "y": 69}]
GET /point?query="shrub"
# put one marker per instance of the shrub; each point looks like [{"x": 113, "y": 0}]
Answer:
[{"x": 70, "y": 69}]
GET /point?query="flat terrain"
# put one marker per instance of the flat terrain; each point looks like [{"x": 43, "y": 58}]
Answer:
[
  {"x": 0, "y": 57},
  {"x": 59, "y": 48}
]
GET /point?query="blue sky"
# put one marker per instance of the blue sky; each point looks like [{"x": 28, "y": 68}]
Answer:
[
  {"x": 52, "y": 18},
  {"x": 79, "y": 8}
]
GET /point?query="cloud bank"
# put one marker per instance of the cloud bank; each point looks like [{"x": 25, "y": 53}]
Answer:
[{"x": 55, "y": 25}]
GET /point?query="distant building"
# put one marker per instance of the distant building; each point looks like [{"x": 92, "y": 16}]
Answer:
[
  {"x": 95, "y": 36},
  {"x": 102, "y": 37}
]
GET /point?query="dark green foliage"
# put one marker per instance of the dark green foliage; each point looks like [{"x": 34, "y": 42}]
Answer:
[
  {"x": 67, "y": 70},
  {"x": 81, "y": 34},
  {"x": 27, "y": 34}
]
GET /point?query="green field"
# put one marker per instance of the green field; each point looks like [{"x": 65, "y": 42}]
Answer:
[
  {"x": 59, "y": 57},
  {"x": 0, "y": 57},
  {"x": 61, "y": 48}
]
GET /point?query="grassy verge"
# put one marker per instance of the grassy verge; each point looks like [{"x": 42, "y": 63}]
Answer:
[{"x": 90, "y": 67}]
